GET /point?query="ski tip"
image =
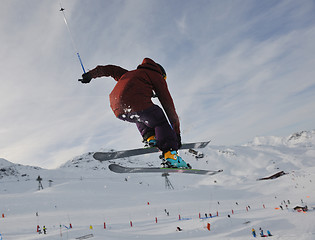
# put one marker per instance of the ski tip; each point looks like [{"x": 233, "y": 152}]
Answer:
[
  {"x": 117, "y": 168},
  {"x": 113, "y": 166},
  {"x": 97, "y": 156}
]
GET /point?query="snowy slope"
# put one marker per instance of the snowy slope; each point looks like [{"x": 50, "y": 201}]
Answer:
[{"x": 85, "y": 193}]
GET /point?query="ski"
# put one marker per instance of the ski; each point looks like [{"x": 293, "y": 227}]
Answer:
[
  {"x": 105, "y": 156},
  {"x": 120, "y": 169}
]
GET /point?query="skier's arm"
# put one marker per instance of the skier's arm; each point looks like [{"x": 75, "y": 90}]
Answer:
[
  {"x": 103, "y": 71},
  {"x": 108, "y": 71}
]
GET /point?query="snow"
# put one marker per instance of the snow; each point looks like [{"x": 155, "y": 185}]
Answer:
[{"x": 85, "y": 194}]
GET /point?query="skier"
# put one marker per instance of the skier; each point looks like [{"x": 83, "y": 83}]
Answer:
[
  {"x": 253, "y": 232},
  {"x": 131, "y": 101},
  {"x": 262, "y": 232}
]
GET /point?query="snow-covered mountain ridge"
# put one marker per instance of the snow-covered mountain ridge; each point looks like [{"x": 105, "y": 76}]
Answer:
[
  {"x": 274, "y": 149},
  {"x": 303, "y": 138},
  {"x": 9, "y": 169},
  {"x": 264, "y": 154}
]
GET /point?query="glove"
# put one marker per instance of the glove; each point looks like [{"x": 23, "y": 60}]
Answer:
[
  {"x": 86, "y": 78},
  {"x": 179, "y": 140}
]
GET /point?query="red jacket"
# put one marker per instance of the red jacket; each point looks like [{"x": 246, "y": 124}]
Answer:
[{"x": 133, "y": 91}]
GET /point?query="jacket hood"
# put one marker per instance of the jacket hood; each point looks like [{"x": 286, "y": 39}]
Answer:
[{"x": 148, "y": 63}]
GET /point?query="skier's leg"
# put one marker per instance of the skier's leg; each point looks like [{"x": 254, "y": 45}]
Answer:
[
  {"x": 152, "y": 121},
  {"x": 154, "y": 118},
  {"x": 167, "y": 142},
  {"x": 147, "y": 133}
]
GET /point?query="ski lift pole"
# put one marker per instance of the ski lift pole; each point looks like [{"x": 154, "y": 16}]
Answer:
[{"x": 72, "y": 41}]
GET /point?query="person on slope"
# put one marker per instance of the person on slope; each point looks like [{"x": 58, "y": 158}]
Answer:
[{"x": 131, "y": 101}]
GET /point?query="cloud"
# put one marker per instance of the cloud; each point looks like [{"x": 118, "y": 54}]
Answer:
[{"x": 236, "y": 70}]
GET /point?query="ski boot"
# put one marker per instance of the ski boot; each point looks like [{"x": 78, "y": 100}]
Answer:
[
  {"x": 150, "y": 142},
  {"x": 172, "y": 160}
]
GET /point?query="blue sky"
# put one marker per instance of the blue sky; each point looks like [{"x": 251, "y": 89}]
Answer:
[{"x": 236, "y": 70}]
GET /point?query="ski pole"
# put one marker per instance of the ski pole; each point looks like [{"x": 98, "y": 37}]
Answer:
[{"x": 72, "y": 41}]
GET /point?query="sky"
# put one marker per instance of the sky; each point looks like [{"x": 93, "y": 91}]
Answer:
[{"x": 236, "y": 70}]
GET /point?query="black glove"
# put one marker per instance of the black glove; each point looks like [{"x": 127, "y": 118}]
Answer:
[
  {"x": 179, "y": 141},
  {"x": 86, "y": 78}
]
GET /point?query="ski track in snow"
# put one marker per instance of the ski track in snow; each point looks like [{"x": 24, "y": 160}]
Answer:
[{"x": 86, "y": 194}]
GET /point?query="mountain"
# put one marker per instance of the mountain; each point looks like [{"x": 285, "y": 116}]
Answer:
[
  {"x": 304, "y": 138},
  {"x": 9, "y": 170},
  {"x": 84, "y": 193}
]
